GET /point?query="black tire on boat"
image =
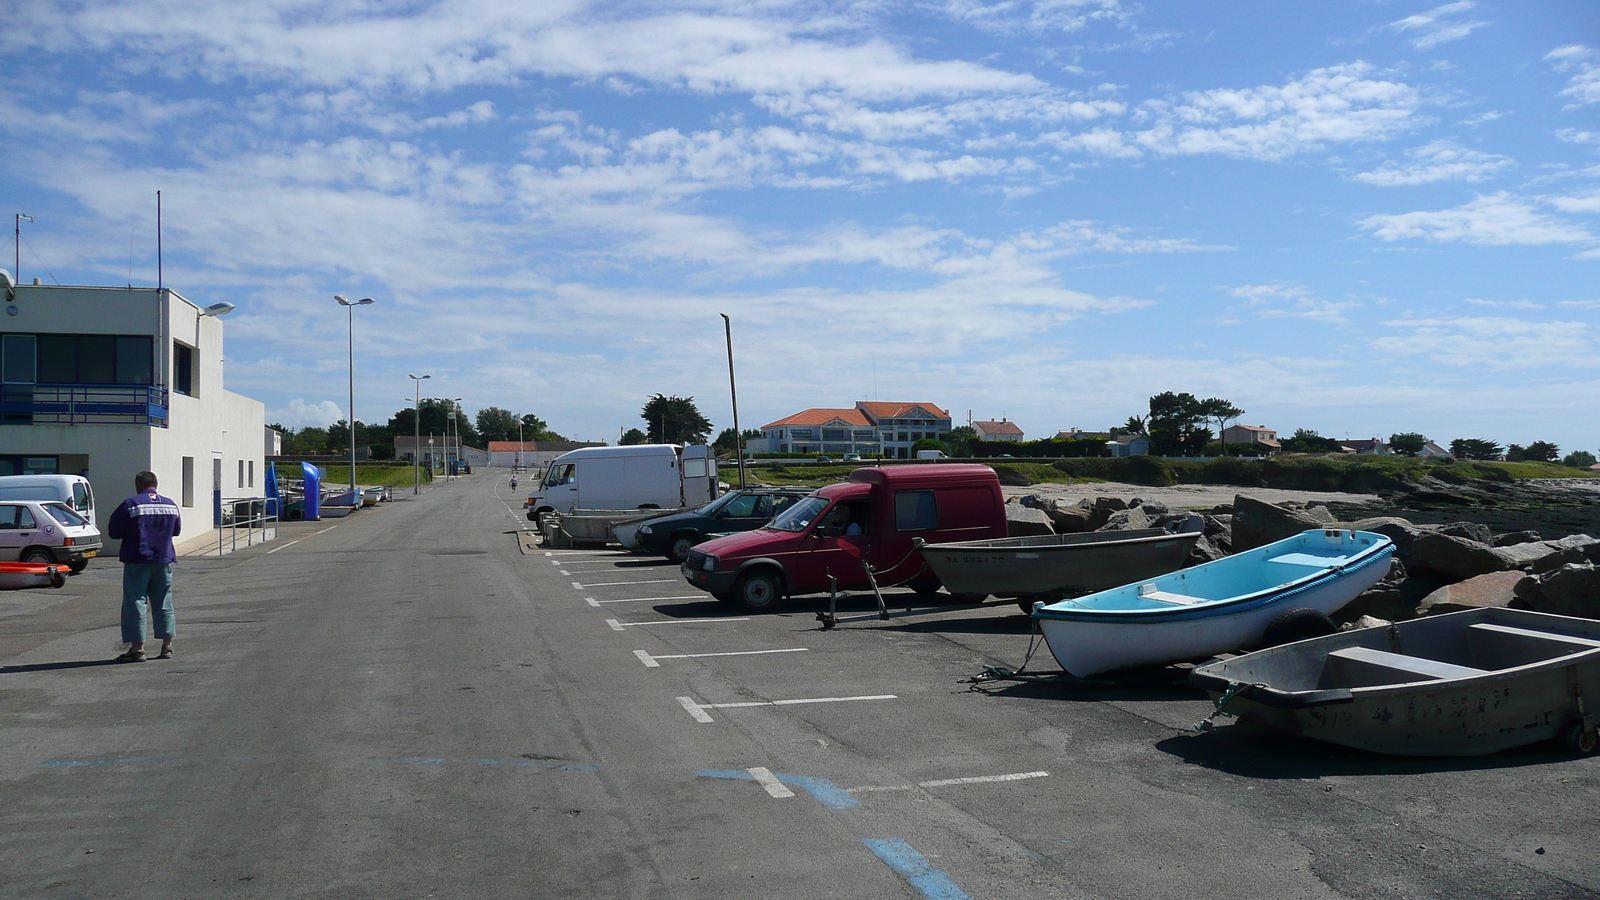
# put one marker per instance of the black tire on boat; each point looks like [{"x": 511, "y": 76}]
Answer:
[
  {"x": 925, "y": 587},
  {"x": 1579, "y": 739},
  {"x": 1297, "y": 625}
]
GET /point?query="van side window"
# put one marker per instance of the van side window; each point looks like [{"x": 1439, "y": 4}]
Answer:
[
  {"x": 915, "y": 511},
  {"x": 559, "y": 475},
  {"x": 80, "y": 496},
  {"x": 694, "y": 468}
]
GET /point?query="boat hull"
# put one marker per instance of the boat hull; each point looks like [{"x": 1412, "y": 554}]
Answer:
[
  {"x": 1113, "y": 630},
  {"x": 16, "y": 576},
  {"x": 1295, "y": 688},
  {"x": 1055, "y": 564}
]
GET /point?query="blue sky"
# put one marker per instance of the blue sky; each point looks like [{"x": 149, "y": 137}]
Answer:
[{"x": 1357, "y": 217}]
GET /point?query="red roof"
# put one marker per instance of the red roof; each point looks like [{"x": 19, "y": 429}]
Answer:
[
  {"x": 822, "y": 417},
  {"x": 998, "y": 427},
  {"x": 887, "y": 410}
]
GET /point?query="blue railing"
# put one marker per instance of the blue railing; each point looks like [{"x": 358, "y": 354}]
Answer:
[{"x": 83, "y": 404}]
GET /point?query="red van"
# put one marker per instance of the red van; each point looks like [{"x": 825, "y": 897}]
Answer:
[{"x": 838, "y": 530}]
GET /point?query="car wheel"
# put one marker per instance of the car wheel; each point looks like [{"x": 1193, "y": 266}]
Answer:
[
  {"x": 37, "y": 555},
  {"x": 78, "y": 565},
  {"x": 682, "y": 543},
  {"x": 1297, "y": 625},
  {"x": 758, "y": 591}
]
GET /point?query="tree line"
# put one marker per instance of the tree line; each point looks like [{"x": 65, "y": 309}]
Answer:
[{"x": 490, "y": 424}]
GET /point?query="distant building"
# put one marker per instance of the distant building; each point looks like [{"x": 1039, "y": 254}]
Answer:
[
  {"x": 1366, "y": 447},
  {"x": 1259, "y": 435},
  {"x": 998, "y": 431},
  {"x": 1078, "y": 434},
  {"x": 273, "y": 445},
  {"x": 108, "y": 382},
  {"x": 1129, "y": 445},
  {"x": 1430, "y": 450},
  {"x": 830, "y": 431},
  {"x": 530, "y": 454},
  {"x": 437, "y": 449},
  {"x": 901, "y": 425}
]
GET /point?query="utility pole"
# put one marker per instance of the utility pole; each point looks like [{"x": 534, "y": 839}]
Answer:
[
  {"x": 16, "y": 262},
  {"x": 416, "y": 437},
  {"x": 733, "y": 388}
]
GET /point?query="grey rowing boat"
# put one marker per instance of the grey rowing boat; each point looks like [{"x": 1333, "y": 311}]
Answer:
[{"x": 1054, "y": 564}]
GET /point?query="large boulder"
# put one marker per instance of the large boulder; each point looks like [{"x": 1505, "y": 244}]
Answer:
[
  {"x": 1068, "y": 519},
  {"x": 1126, "y": 520},
  {"x": 1102, "y": 509},
  {"x": 1022, "y": 521},
  {"x": 1454, "y": 558},
  {"x": 1203, "y": 551},
  {"x": 1155, "y": 509},
  {"x": 1382, "y": 600},
  {"x": 1497, "y": 589},
  {"x": 1219, "y": 531},
  {"x": 1516, "y": 537},
  {"x": 1396, "y": 529},
  {"x": 1472, "y": 531},
  {"x": 1256, "y": 523},
  {"x": 1320, "y": 513},
  {"x": 1572, "y": 590}
]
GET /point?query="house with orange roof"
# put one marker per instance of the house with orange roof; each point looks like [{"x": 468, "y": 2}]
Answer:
[
  {"x": 871, "y": 429},
  {"x": 997, "y": 431}
]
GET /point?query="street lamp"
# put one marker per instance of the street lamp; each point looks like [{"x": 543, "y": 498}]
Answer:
[
  {"x": 455, "y": 406},
  {"x": 350, "y": 350},
  {"x": 416, "y": 437},
  {"x": 16, "y": 262},
  {"x": 733, "y": 388}
]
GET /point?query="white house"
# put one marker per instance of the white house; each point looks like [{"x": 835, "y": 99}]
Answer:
[
  {"x": 1252, "y": 434},
  {"x": 108, "y": 382},
  {"x": 835, "y": 431},
  {"x": 531, "y": 454},
  {"x": 997, "y": 431},
  {"x": 1129, "y": 445}
]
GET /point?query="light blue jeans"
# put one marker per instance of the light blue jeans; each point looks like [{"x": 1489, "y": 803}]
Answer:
[{"x": 147, "y": 590}]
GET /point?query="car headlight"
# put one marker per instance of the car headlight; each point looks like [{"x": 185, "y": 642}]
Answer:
[
  {"x": 644, "y": 529},
  {"x": 711, "y": 564}
]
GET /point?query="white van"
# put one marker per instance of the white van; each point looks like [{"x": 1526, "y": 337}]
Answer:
[
  {"x": 931, "y": 454},
  {"x": 642, "y": 476},
  {"x": 73, "y": 490}
]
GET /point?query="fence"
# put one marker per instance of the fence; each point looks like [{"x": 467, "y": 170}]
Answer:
[{"x": 249, "y": 514}]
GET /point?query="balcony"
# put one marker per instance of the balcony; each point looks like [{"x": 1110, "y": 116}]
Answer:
[{"x": 83, "y": 404}]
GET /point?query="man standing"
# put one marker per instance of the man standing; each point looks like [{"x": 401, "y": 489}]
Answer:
[{"x": 146, "y": 524}]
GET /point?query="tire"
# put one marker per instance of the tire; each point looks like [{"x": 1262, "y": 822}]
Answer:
[
  {"x": 37, "y": 555},
  {"x": 682, "y": 543},
  {"x": 1297, "y": 625},
  {"x": 925, "y": 587},
  {"x": 78, "y": 565},
  {"x": 1578, "y": 740},
  {"x": 758, "y": 591}
]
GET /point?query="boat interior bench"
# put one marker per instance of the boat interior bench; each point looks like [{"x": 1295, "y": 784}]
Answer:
[
  {"x": 1504, "y": 646},
  {"x": 1364, "y": 667},
  {"x": 1149, "y": 592}
]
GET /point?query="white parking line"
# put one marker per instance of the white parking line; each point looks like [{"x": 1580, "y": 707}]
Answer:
[
  {"x": 276, "y": 549},
  {"x": 650, "y": 661},
  {"x": 698, "y": 710},
  {"x": 618, "y": 626},
  {"x": 615, "y": 583},
  {"x": 946, "y": 782},
  {"x": 766, "y": 779},
  {"x": 695, "y": 710},
  {"x": 643, "y": 599}
]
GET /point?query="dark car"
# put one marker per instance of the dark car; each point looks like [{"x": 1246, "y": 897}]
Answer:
[{"x": 672, "y": 536}]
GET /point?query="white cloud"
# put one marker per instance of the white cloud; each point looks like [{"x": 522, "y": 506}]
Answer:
[
  {"x": 1584, "y": 87},
  {"x": 1580, "y": 203},
  {"x": 1009, "y": 16},
  {"x": 299, "y": 414},
  {"x": 1492, "y": 343},
  {"x": 1438, "y": 25},
  {"x": 1574, "y": 136},
  {"x": 1329, "y": 105},
  {"x": 1441, "y": 160},
  {"x": 1496, "y": 219},
  {"x": 1281, "y": 300}
]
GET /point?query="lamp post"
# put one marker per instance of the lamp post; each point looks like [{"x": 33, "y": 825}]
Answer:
[
  {"x": 416, "y": 437},
  {"x": 350, "y": 349},
  {"x": 733, "y": 388},
  {"x": 455, "y": 408},
  {"x": 516, "y": 464}
]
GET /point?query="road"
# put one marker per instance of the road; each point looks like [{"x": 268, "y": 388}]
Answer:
[{"x": 414, "y": 704}]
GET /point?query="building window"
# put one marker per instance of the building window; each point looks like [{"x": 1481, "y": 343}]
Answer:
[
  {"x": 182, "y": 370},
  {"x": 252, "y": 471},
  {"x": 96, "y": 359},
  {"x": 188, "y": 481},
  {"x": 241, "y": 474}
]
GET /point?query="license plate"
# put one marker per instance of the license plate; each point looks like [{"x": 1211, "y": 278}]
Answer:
[{"x": 89, "y": 553}]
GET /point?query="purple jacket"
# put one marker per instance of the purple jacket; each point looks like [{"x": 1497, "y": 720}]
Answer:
[{"x": 146, "y": 524}]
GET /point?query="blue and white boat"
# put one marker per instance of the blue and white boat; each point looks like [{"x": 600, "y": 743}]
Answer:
[{"x": 1216, "y": 607}]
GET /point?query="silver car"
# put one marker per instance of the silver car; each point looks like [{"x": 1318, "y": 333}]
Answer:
[{"x": 46, "y": 531}]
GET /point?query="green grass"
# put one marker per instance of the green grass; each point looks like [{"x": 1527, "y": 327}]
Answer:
[{"x": 367, "y": 474}]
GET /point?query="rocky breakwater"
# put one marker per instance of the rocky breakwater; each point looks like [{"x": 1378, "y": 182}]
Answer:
[
  {"x": 1437, "y": 567},
  {"x": 1554, "y": 506}
]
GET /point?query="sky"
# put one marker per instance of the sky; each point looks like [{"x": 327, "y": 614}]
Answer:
[{"x": 1355, "y": 217}]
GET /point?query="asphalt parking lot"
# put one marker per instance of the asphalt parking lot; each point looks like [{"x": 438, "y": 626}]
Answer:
[{"x": 422, "y": 702}]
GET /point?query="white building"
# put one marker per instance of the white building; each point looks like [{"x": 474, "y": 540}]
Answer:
[
  {"x": 531, "y": 454},
  {"x": 997, "y": 431},
  {"x": 107, "y": 382}
]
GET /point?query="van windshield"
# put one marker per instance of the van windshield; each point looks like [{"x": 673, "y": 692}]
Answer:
[
  {"x": 798, "y": 516},
  {"x": 63, "y": 513}
]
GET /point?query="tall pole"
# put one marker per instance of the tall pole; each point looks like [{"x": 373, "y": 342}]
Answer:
[
  {"x": 160, "y": 282},
  {"x": 733, "y": 388},
  {"x": 16, "y": 261},
  {"x": 455, "y": 423},
  {"x": 517, "y": 462},
  {"x": 350, "y": 348},
  {"x": 416, "y": 437}
]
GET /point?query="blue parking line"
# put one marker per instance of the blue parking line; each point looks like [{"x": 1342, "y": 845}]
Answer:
[
  {"x": 913, "y": 867},
  {"x": 821, "y": 790}
]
